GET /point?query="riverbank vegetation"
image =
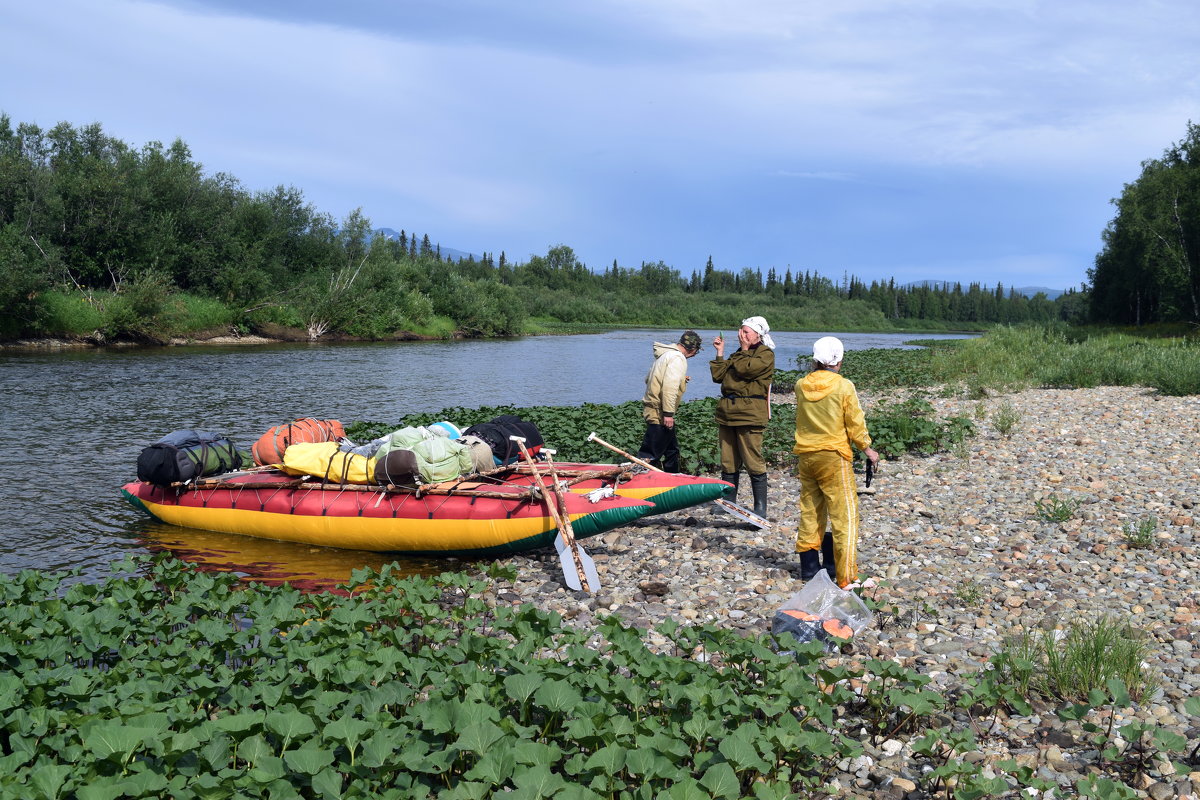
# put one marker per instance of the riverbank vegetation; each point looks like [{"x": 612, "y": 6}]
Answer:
[
  {"x": 1014, "y": 358},
  {"x": 163, "y": 681},
  {"x": 103, "y": 241}
]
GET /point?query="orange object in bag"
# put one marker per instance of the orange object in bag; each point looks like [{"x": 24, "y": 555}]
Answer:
[{"x": 270, "y": 446}]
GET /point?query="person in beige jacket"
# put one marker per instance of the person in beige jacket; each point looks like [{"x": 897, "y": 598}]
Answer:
[{"x": 665, "y": 385}]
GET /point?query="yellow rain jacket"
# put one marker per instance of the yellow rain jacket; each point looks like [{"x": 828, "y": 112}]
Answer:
[{"x": 828, "y": 416}]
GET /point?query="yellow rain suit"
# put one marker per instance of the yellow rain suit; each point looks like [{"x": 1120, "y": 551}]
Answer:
[{"x": 828, "y": 420}]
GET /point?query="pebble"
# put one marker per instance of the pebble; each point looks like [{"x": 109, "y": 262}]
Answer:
[{"x": 961, "y": 558}]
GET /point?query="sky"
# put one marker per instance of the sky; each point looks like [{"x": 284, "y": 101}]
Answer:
[{"x": 960, "y": 140}]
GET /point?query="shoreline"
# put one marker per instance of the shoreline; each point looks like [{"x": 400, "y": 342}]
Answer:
[
  {"x": 296, "y": 336},
  {"x": 963, "y": 561}
]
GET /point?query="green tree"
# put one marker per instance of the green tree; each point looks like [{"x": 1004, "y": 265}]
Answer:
[{"x": 1149, "y": 267}]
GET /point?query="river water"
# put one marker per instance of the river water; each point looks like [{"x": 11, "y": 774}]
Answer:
[{"x": 72, "y": 423}]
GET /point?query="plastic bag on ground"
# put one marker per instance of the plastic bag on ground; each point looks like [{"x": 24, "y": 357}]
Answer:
[{"x": 823, "y": 612}]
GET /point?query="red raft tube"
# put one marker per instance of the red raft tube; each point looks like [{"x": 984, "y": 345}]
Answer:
[{"x": 461, "y": 519}]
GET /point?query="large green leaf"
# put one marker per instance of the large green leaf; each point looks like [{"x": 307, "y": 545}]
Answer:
[
  {"x": 290, "y": 724},
  {"x": 479, "y": 736},
  {"x": 535, "y": 782},
  {"x": 494, "y": 766},
  {"x": 721, "y": 780},
  {"x": 557, "y": 696},
  {"x": 308, "y": 760},
  {"x": 48, "y": 778},
  {"x": 348, "y": 730},
  {"x": 609, "y": 759},
  {"x": 521, "y": 686},
  {"x": 114, "y": 738}
]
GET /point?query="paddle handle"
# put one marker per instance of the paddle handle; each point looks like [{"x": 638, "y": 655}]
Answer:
[
  {"x": 562, "y": 519},
  {"x": 568, "y": 531},
  {"x": 592, "y": 437}
]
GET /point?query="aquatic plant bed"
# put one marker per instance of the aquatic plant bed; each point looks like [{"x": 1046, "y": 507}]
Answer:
[{"x": 163, "y": 681}]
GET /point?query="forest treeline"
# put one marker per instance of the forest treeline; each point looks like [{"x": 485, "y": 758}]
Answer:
[{"x": 103, "y": 240}]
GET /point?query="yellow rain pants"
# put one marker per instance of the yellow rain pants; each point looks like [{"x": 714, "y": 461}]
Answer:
[{"x": 828, "y": 495}]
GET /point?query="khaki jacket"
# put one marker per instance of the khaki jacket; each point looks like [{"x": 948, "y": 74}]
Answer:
[
  {"x": 745, "y": 379},
  {"x": 828, "y": 415},
  {"x": 665, "y": 383}
]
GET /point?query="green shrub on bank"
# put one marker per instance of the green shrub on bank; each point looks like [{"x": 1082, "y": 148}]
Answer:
[
  {"x": 1013, "y": 358},
  {"x": 911, "y": 426}
]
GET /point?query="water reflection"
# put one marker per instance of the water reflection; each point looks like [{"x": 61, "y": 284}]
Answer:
[{"x": 265, "y": 561}]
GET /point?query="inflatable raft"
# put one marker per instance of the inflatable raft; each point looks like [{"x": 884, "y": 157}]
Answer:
[{"x": 500, "y": 514}]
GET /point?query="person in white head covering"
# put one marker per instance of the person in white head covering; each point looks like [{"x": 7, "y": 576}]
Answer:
[
  {"x": 829, "y": 420},
  {"x": 745, "y": 406}
]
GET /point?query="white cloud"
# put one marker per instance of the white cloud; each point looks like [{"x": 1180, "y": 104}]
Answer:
[{"x": 604, "y": 122}]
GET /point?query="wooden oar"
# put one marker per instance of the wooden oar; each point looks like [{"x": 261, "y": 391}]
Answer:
[
  {"x": 575, "y": 578},
  {"x": 580, "y": 555},
  {"x": 730, "y": 508}
]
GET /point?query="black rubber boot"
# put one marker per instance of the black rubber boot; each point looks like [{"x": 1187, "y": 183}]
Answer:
[
  {"x": 827, "y": 555},
  {"x": 758, "y": 484},
  {"x": 731, "y": 477},
  {"x": 810, "y": 564}
]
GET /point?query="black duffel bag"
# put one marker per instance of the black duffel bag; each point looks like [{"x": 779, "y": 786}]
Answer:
[
  {"x": 186, "y": 455},
  {"x": 497, "y": 432},
  {"x": 398, "y": 467}
]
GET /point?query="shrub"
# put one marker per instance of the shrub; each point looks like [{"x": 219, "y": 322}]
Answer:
[
  {"x": 1067, "y": 666},
  {"x": 1006, "y": 418},
  {"x": 910, "y": 426},
  {"x": 1140, "y": 535},
  {"x": 1055, "y": 509}
]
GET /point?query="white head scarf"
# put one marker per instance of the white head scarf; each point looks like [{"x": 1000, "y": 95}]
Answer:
[{"x": 760, "y": 325}]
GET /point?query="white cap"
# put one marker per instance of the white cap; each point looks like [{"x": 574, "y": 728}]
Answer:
[{"x": 828, "y": 350}]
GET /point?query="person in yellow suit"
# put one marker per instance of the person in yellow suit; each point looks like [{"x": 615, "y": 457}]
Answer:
[{"x": 829, "y": 420}]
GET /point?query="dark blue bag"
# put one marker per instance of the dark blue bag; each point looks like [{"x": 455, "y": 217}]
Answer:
[{"x": 186, "y": 455}]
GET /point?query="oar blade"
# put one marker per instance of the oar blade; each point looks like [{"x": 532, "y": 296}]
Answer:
[
  {"x": 742, "y": 513},
  {"x": 589, "y": 569},
  {"x": 570, "y": 573}
]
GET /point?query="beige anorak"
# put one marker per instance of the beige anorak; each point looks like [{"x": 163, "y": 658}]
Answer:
[{"x": 665, "y": 383}]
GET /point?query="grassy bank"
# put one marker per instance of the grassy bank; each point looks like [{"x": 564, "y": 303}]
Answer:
[{"x": 1060, "y": 357}]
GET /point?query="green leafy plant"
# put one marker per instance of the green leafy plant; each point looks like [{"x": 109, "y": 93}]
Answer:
[
  {"x": 1055, "y": 508},
  {"x": 968, "y": 593},
  {"x": 1005, "y": 418},
  {"x": 1140, "y": 535},
  {"x": 1066, "y": 665},
  {"x": 910, "y": 426},
  {"x": 165, "y": 681}
]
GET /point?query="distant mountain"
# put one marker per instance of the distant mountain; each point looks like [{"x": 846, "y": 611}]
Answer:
[
  {"x": 1051, "y": 294},
  {"x": 448, "y": 253},
  {"x": 1028, "y": 291}
]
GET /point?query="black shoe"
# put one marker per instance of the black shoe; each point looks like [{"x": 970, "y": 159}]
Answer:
[
  {"x": 758, "y": 485},
  {"x": 731, "y": 477},
  {"x": 827, "y": 555},
  {"x": 810, "y": 564}
]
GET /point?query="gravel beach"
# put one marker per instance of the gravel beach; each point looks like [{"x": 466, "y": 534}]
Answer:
[{"x": 956, "y": 545}]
